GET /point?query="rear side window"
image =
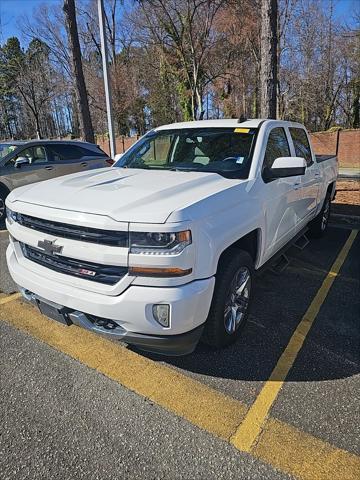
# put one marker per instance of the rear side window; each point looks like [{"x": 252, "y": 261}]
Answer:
[
  {"x": 64, "y": 152},
  {"x": 73, "y": 152},
  {"x": 301, "y": 144},
  {"x": 276, "y": 147},
  {"x": 88, "y": 152}
]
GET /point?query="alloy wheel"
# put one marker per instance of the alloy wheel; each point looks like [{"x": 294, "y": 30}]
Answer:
[
  {"x": 325, "y": 216},
  {"x": 2, "y": 209},
  {"x": 237, "y": 301}
]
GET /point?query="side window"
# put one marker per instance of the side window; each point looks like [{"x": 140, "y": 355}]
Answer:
[
  {"x": 161, "y": 148},
  {"x": 33, "y": 154},
  {"x": 276, "y": 147},
  {"x": 39, "y": 154},
  {"x": 27, "y": 153},
  {"x": 155, "y": 151},
  {"x": 65, "y": 152},
  {"x": 301, "y": 144}
]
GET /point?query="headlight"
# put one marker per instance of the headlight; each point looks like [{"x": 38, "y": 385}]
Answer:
[
  {"x": 159, "y": 243},
  {"x": 10, "y": 215}
]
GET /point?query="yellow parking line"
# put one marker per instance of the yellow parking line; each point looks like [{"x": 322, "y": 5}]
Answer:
[
  {"x": 281, "y": 445},
  {"x": 302, "y": 455},
  {"x": 249, "y": 430},
  {"x": 9, "y": 298},
  {"x": 188, "y": 398}
]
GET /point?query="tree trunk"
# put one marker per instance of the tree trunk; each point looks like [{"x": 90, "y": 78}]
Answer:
[
  {"x": 199, "y": 101},
  {"x": 37, "y": 123},
  {"x": 355, "y": 123},
  {"x": 268, "y": 67},
  {"x": 8, "y": 122},
  {"x": 74, "y": 109},
  {"x": 255, "y": 99},
  {"x": 81, "y": 93}
]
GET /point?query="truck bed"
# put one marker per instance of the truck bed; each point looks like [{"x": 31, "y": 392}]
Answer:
[{"x": 324, "y": 158}]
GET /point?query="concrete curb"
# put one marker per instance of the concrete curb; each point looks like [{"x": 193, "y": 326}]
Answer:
[{"x": 344, "y": 176}]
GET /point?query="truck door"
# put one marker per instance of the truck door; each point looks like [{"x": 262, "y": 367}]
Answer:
[
  {"x": 309, "y": 181},
  {"x": 281, "y": 196}
]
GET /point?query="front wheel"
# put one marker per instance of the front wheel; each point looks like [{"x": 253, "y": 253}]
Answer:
[
  {"x": 318, "y": 226},
  {"x": 231, "y": 300}
]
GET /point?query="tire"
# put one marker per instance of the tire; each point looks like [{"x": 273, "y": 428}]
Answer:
[
  {"x": 228, "y": 311},
  {"x": 319, "y": 226},
  {"x": 3, "y": 194}
]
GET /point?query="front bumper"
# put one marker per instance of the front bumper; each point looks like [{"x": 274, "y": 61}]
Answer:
[
  {"x": 181, "y": 344},
  {"x": 132, "y": 310}
]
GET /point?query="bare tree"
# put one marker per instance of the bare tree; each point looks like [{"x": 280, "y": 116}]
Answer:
[
  {"x": 184, "y": 31},
  {"x": 269, "y": 58},
  {"x": 82, "y": 98},
  {"x": 174, "y": 60}
]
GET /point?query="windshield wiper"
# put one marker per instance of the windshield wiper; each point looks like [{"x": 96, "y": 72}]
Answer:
[
  {"x": 185, "y": 167},
  {"x": 180, "y": 168},
  {"x": 140, "y": 165}
]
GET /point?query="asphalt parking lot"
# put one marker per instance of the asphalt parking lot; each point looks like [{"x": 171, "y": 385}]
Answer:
[{"x": 283, "y": 402}]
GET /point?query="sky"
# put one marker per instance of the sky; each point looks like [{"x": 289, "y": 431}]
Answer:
[{"x": 12, "y": 10}]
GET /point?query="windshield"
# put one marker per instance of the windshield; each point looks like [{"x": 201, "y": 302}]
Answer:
[
  {"x": 6, "y": 148},
  {"x": 226, "y": 151}
]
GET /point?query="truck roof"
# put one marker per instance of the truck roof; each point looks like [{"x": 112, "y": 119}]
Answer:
[{"x": 223, "y": 123}]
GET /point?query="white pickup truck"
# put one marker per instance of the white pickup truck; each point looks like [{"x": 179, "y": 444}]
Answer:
[{"x": 161, "y": 249}]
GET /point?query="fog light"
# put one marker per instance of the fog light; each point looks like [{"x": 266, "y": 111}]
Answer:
[{"x": 161, "y": 314}]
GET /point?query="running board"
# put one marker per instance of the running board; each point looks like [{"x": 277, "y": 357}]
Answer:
[
  {"x": 281, "y": 263},
  {"x": 301, "y": 242}
]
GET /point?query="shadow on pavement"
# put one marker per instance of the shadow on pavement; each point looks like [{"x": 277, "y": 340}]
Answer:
[{"x": 331, "y": 349}]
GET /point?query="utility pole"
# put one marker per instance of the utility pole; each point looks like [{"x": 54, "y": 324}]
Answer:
[
  {"x": 104, "y": 54},
  {"x": 268, "y": 65}
]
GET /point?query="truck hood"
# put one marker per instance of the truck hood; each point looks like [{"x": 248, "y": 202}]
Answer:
[{"x": 126, "y": 195}]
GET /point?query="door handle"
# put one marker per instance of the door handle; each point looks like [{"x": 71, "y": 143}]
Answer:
[
  {"x": 317, "y": 174},
  {"x": 83, "y": 164},
  {"x": 297, "y": 186},
  {"x": 49, "y": 167}
]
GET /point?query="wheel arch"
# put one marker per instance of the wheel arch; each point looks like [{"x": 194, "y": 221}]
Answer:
[
  {"x": 4, "y": 187},
  {"x": 250, "y": 243}
]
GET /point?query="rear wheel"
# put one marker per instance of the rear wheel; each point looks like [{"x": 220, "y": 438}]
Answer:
[
  {"x": 232, "y": 295},
  {"x": 318, "y": 226}
]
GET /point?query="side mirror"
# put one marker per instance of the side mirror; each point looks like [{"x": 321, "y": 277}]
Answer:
[
  {"x": 21, "y": 161},
  {"x": 285, "y": 167},
  {"x": 118, "y": 156}
]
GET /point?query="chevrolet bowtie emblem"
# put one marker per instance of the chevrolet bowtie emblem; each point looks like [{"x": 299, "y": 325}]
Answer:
[{"x": 49, "y": 247}]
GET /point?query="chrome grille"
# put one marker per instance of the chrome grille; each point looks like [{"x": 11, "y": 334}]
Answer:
[
  {"x": 75, "y": 232},
  {"x": 94, "y": 272}
]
